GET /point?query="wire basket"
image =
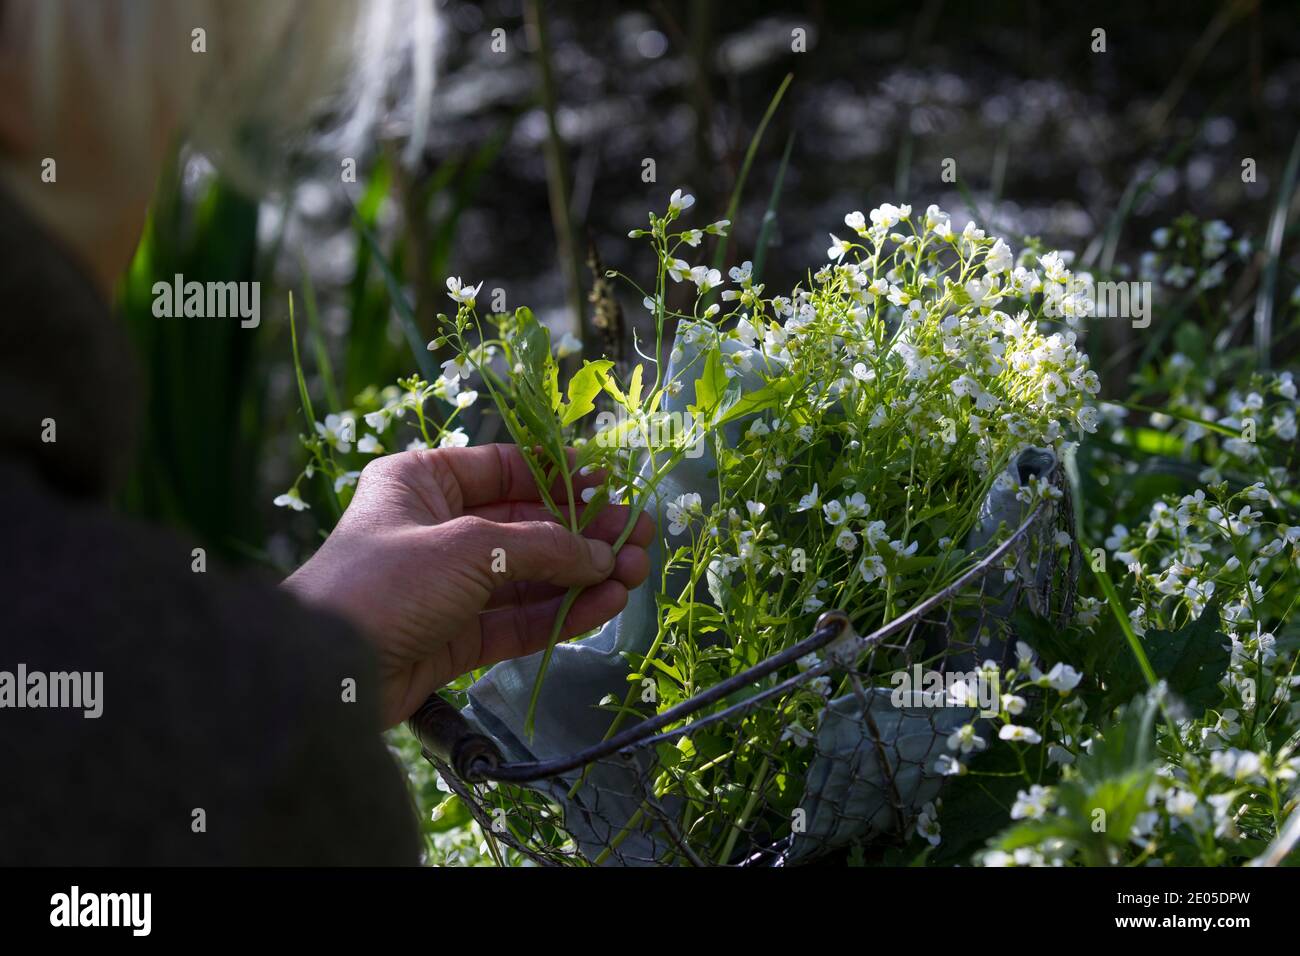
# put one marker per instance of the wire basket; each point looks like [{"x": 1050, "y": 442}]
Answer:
[{"x": 636, "y": 798}]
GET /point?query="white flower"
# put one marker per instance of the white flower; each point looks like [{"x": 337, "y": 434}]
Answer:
[
  {"x": 462, "y": 293},
  {"x": 964, "y": 692},
  {"x": 679, "y": 202},
  {"x": 927, "y": 825},
  {"x": 809, "y": 501},
  {"x": 569, "y": 344},
  {"x": 1059, "y": 755},
  {"x": 1032, "y": 804},
  {"x": 346, "y": 480},
  {"x": 1013, "y": 704},
  {"x": 838, "y": 249},
  {"x": 456, "y": 438},
  {"x": 680, "y": 511},
  {"x": 949, "y": 766},
  {"x": 846, "y": 540},
  {"x": 903, "y": 551},
  {"x": 1225, "y": 728},
  {"x": 965, "y": 740},
  {"x": 446, "y": 388},
  {"x": 456, "y": 368},
  {"x": 972, "y": 234},
  {"x": 998, "y": 258},
  {"x": 888, "y": 215},
  {"x": 706, "y": 278},
  {"x": 834, "y": 511},
  {"x": 796, "y": 732},
  {"x": 291, "y": 499},
  {"x": 746, "y": 332},
  {"x": 1235, "y": 764},
  {"x": 466, "y": 398},
  {"x": 1063, "y": 678},
  {"x": 984, "y": 293},
  {"x": 1088, "y": 419},
  {"x": 679, "y": 269},
  {"x": 369, "y": 445},
  {"x": 755, "y": 508},
  {"x": 1180, "y": 803},
  {"x": 338, "y": 431},
  {"x": 1054, "y": 267},
  {"x": 1019, "y": 734},
  {"x": 872, "y": 568}
]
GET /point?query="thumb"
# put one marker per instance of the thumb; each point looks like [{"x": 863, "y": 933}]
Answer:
[{"x": 533, "y": 551}]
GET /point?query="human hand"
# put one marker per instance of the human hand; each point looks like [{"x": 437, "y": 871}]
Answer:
[{"x": 411, "y": 564}]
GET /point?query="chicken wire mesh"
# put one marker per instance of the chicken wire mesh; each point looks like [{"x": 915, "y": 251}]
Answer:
[{"x": 714, "y": 781}]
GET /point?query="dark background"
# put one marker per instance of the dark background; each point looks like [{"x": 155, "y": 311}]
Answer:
[{"x": 1089, "y": 151}]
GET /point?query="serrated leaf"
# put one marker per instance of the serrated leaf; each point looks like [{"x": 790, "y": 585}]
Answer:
[
  {"x": 583, "y": 388},
  {"x": 1191, "y": 660}
]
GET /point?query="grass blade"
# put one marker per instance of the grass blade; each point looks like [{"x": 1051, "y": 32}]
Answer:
[
  {"x": 308, "y": 412},
  {"x": 318, "y": 341},
  {"x": 401, "y": 306},
  {"x": 557, "y": 173},
  {"x": 769, "y": 217},
  {"x": 1273, "y": 249},
  {"x": 720, "y": 256}
]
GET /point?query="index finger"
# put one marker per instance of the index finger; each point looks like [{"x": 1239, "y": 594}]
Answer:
[{"x": 491, "y": 473}]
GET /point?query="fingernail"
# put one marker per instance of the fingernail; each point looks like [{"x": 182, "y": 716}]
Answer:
[{"x": 602, "y": 555}]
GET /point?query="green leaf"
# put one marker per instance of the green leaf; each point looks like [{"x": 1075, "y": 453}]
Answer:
[
  {"x": 585, "y": 386},
  {"x": 751, "y": 403},
  {"x": 976, "y": 805},
  {"x": 711, "y": 385},
  {"x": 719, "y": 584},
  {"x": 616, "y": 393},
  {"x": 634, "y": 389},
  {"x": 537, "y": 385},
  {"x": 1126, "y": 745},
  {"x": 1191, "y": 660},
  {"x": 1109, "y": 789}
]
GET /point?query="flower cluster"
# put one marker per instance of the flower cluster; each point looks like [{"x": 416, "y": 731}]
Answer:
[{"x": 1192, "y": 512}]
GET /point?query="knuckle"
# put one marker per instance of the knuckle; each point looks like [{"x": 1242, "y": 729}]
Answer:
[
  {"x": 471, "y": 527},
  {"x": 372, "y": 472},
  {"x": 558, "y": 541},
  {"x": 471, "y": 538},
  {"x": 380, "y": 471}
]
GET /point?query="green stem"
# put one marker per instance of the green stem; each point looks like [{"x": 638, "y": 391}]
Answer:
[{"x": 566, "y": 605}]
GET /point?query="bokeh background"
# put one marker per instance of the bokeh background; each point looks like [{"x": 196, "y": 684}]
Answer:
[{"x": 536, "y": 154}]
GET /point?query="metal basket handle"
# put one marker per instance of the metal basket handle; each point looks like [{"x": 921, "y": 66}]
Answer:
[{"x": 444, "y": 732}]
